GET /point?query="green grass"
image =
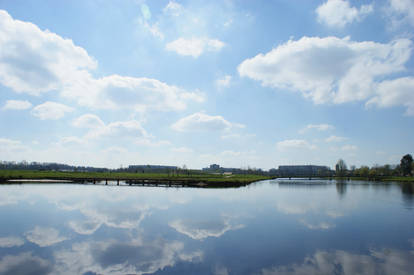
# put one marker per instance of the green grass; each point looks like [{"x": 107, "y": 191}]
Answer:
[{"x": 207, "y": 178}]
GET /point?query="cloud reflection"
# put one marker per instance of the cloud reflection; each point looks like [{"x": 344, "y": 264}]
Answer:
[
  {"x": 202, "y": 229},
  {"x": 385, "y": 261},
  {"x": 24, "y": 263},
  {"x": 8, "y": 242},
  {"x": 44, "y": 236},
  {"x": 135, "y": 257}
]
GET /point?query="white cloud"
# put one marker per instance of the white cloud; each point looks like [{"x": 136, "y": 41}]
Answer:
[
  {"x": 17, "y": 105},
  {"x": 318, "y": 127},
  {"x": 224, "y": 82},
  {"x": 395, "y": 93},
  {"x": 88, "y": 121},
  {"x": 294, "y": 144},
  {"x": 44, "y": 236},
  {"x": 402, "y": 11},
  {"x": 335, "y": 139},
  {"x": 36, "y": 61},
  {"x": 8, "y": 242},
  {"x": 329, "y": 69},
  {"x": 45, "y": 62},
  {"x": 182, "y": 150},
  {"x": 194, "y": 46},
  {"x": 173, "y": 8},
  {"x": 139, "y": 94},
  {"x": 51, "y": 110},
  {"x": 203, "y": 122},
  {"x": 97, "y": 128},
  {"x": 338, "y": 13}
]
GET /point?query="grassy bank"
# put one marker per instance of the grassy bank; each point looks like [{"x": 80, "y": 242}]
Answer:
[{"x": 6, "y": 175}]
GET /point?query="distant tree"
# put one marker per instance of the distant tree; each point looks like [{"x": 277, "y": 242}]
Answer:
[
  {"x": 364, "y": 171},
  {"x": 340, "y": 168},
  {"x": 406, "y": 164}
]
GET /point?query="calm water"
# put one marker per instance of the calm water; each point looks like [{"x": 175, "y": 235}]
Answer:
[{"x": 271, "y": 227}]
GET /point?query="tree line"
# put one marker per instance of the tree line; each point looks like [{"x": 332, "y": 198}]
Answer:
[{"x": 405, "y": 168}]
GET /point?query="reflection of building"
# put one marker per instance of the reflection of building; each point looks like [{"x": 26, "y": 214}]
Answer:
[{"x": 304, "y": 170}]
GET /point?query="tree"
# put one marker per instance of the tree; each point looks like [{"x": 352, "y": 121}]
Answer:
[
  {"x": 340, "y": 168},
  {"x": 406, "y": 164}
]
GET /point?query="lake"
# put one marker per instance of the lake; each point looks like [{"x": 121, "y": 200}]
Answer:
[{"x": 268, "y": 227}]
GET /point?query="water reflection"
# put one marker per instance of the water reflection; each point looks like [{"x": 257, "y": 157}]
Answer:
[
  {"x": 24, "y": 263},
  {"x": 112, "y": 257},
  {"x": 408, "y": 194},
  {"x": 288, "y": 227},
  {"x": 384, "y": 261}
]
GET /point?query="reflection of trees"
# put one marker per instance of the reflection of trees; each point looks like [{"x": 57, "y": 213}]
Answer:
[
  {"x": 407, "y": 190},
  {"x": 341, "y": 188}
]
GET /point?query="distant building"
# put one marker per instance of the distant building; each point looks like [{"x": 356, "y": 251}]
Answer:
[
  {"x": 215, "y": 168},
  {"x": 304, "y": 170},
  {"x": 151, "y": 168}
]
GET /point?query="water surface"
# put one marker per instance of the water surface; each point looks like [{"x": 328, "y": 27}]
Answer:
[{"x": 270, "y": 227}]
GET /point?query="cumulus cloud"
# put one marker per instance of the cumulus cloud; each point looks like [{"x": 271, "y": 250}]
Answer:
[
  {"x": 97, "y": 128},
  {"x": 398, "y": 92},
  {"x": 338, "y": 13},
  {"x": 88, "y": 121},
  {"x": 36, "y": 61},
  {"x": 17, "y": 105},
  {"x": 294, "y": 144},
  {"x": 44, "y": 236},
  {"x": 203, "y": 122},
  {"x": 224, "y": 82},
  {"x": 139, "y": 94},
  {"x": 194, "y": 46},
  {"x": 318, "y": 127},
  {"x": 51, "y": 110},
  {"x": 330, "y": 69},
  {"x": 402, "y": 11}
]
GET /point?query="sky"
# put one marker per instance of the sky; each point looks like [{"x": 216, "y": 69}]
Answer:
[{"x": 238, "y": 83}]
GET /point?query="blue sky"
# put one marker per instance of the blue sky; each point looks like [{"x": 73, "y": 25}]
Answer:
[{"x": 239, "y": 83}]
